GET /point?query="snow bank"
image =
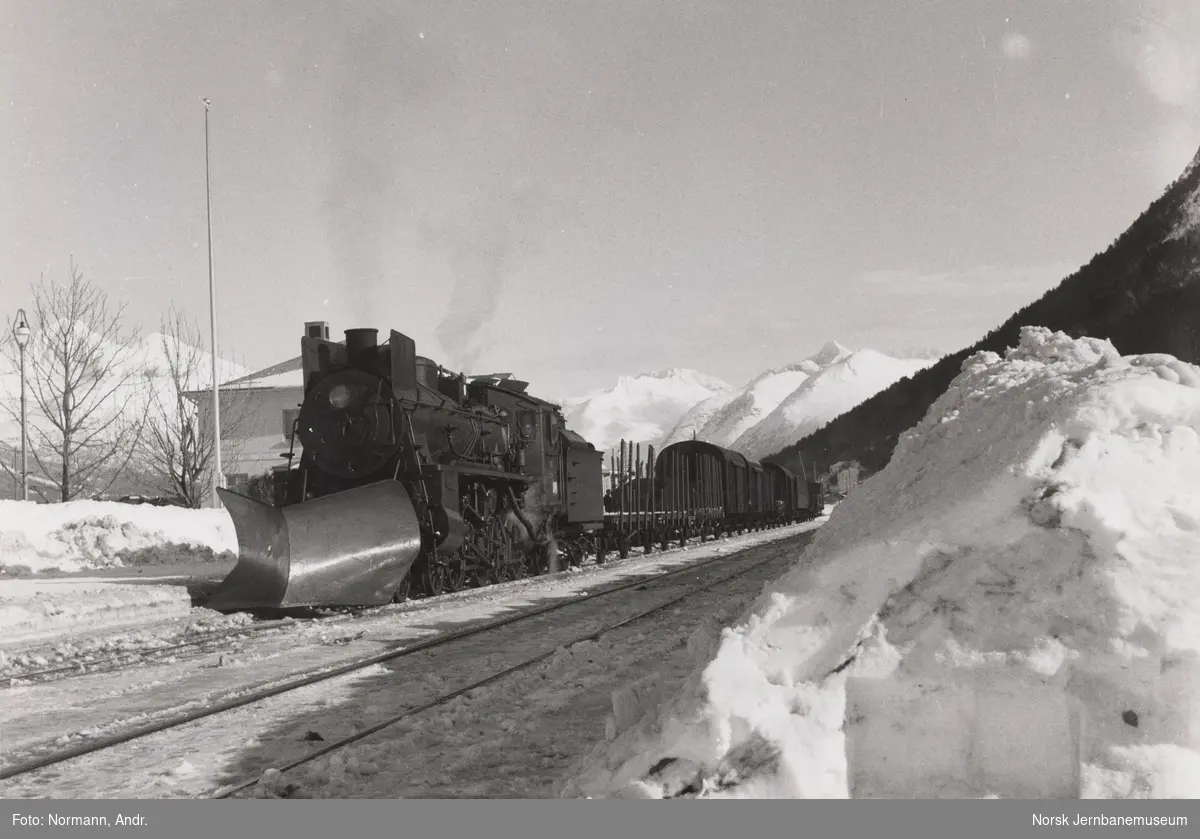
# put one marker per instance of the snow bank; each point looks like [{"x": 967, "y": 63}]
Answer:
[
  {"x": 78, "y": 535},
  {"x": 38, "y": 610},
  {"x": 1025, "y": 571}
]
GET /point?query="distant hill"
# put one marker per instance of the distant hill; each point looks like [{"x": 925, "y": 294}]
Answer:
[{"x": 1142, "y": 293}]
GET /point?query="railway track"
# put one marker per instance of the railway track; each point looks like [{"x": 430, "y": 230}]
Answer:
[
  {"x": 201, "y": 645},
  {"x": 36, "y": 761},
  {"x": 233, "y": 790},
  {"x": 209, "y": 642}
]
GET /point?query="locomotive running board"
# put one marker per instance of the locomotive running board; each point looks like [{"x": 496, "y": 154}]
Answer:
[{"x": 352, "y": 548}]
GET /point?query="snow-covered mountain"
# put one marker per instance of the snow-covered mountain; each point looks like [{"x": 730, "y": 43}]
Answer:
[
  {"x": 772, "y": 410},
  {"x": 725, "y": 423},
  {"x": 843, "y": 379},
  {"x": 642, "y": 408},
  {"x": 697, "y": 418}
]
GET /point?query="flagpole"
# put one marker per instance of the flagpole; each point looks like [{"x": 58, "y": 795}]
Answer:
[{"x": 218, "y": 473}]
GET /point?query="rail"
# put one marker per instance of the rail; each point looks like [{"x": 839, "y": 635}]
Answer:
[{"x": 306, "y": 678}]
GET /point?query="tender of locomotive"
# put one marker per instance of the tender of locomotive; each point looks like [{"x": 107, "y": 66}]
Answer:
[{"x": 416, "y": 480}]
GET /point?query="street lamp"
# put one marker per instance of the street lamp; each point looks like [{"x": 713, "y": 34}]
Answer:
[
  {"x": 218, "y": 475},
  {"x": 21, "y": 333}
]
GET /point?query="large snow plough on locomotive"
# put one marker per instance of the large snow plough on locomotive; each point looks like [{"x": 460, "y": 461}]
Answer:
[{"x": 416, "y": 480}]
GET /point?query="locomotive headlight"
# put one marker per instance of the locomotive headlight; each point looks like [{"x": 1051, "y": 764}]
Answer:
[{"x": 339, "y": 396}]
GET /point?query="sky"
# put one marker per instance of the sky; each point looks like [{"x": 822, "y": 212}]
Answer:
[{"x": 575, "y": 191}]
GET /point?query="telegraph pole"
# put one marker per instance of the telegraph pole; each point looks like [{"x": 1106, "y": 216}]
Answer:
[{"x": 218, "y": 473}]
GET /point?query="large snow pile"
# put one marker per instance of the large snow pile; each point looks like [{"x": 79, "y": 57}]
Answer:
[
  {"x": 77, "y": 535},
  {"x": 640, "y": 408},
  {"x": 1018, "y": 591}
]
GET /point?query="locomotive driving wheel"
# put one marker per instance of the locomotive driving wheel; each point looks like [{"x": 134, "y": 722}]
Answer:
[
  {"x": 488, "y": 547},
  {"x": 434, "y": 579},
  {"x": 442, "y": 575},
  {"x": 503, "y": 564}
]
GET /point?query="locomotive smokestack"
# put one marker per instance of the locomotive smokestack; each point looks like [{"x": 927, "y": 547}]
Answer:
[{"x": 360, "y": 347}]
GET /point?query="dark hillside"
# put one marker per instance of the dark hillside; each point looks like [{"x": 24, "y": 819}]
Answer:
[{"x": 1142, "y": 293}]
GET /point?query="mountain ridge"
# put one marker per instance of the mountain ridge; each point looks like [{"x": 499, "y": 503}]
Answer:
[
  {"x": 1142, "y": 293},
  {"x": 634, "y": 408}
]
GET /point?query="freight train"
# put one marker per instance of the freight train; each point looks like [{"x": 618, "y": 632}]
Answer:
[{"x": 415, "y": 480}]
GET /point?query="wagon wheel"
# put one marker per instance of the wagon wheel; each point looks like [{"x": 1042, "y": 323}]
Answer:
[
  {"x": 587, "y": 549},
  {"x": 568, "y": 554},
  {"x": 571, "y": 554}
]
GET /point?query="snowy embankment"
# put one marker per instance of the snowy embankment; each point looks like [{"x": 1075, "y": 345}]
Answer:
[
  {"x": 86, "y": 536},
  {"x": 80, "y": 535},
  {"x": 1012, "y": 607}
]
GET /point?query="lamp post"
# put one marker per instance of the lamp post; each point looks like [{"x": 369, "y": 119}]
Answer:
[
  {"x": 218, "y": 474},
  {"x": 21, "y": 334}
]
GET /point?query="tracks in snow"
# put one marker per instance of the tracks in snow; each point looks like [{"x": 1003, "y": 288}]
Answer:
[
  {"x": 37, "y": 760},
  {"x": 475, "y": 687},
  {"x": 55, "y": 660}
]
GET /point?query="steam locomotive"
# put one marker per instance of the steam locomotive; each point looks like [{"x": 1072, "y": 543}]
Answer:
[{"x": 413, "y": 479}]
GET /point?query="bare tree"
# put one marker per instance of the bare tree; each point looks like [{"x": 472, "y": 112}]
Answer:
[
  {"x": 178, "y": 448},
  {"x": 82, "y": 371}
]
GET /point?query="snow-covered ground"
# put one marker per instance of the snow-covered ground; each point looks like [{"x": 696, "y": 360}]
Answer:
[
  {"x": 201, "y": 756},
  {"x": 515, "y": 737},
  {"x": 91, "y": 566},
  {"x": 36, "y": 610},
  {"x": 1012, "y": 607}
]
